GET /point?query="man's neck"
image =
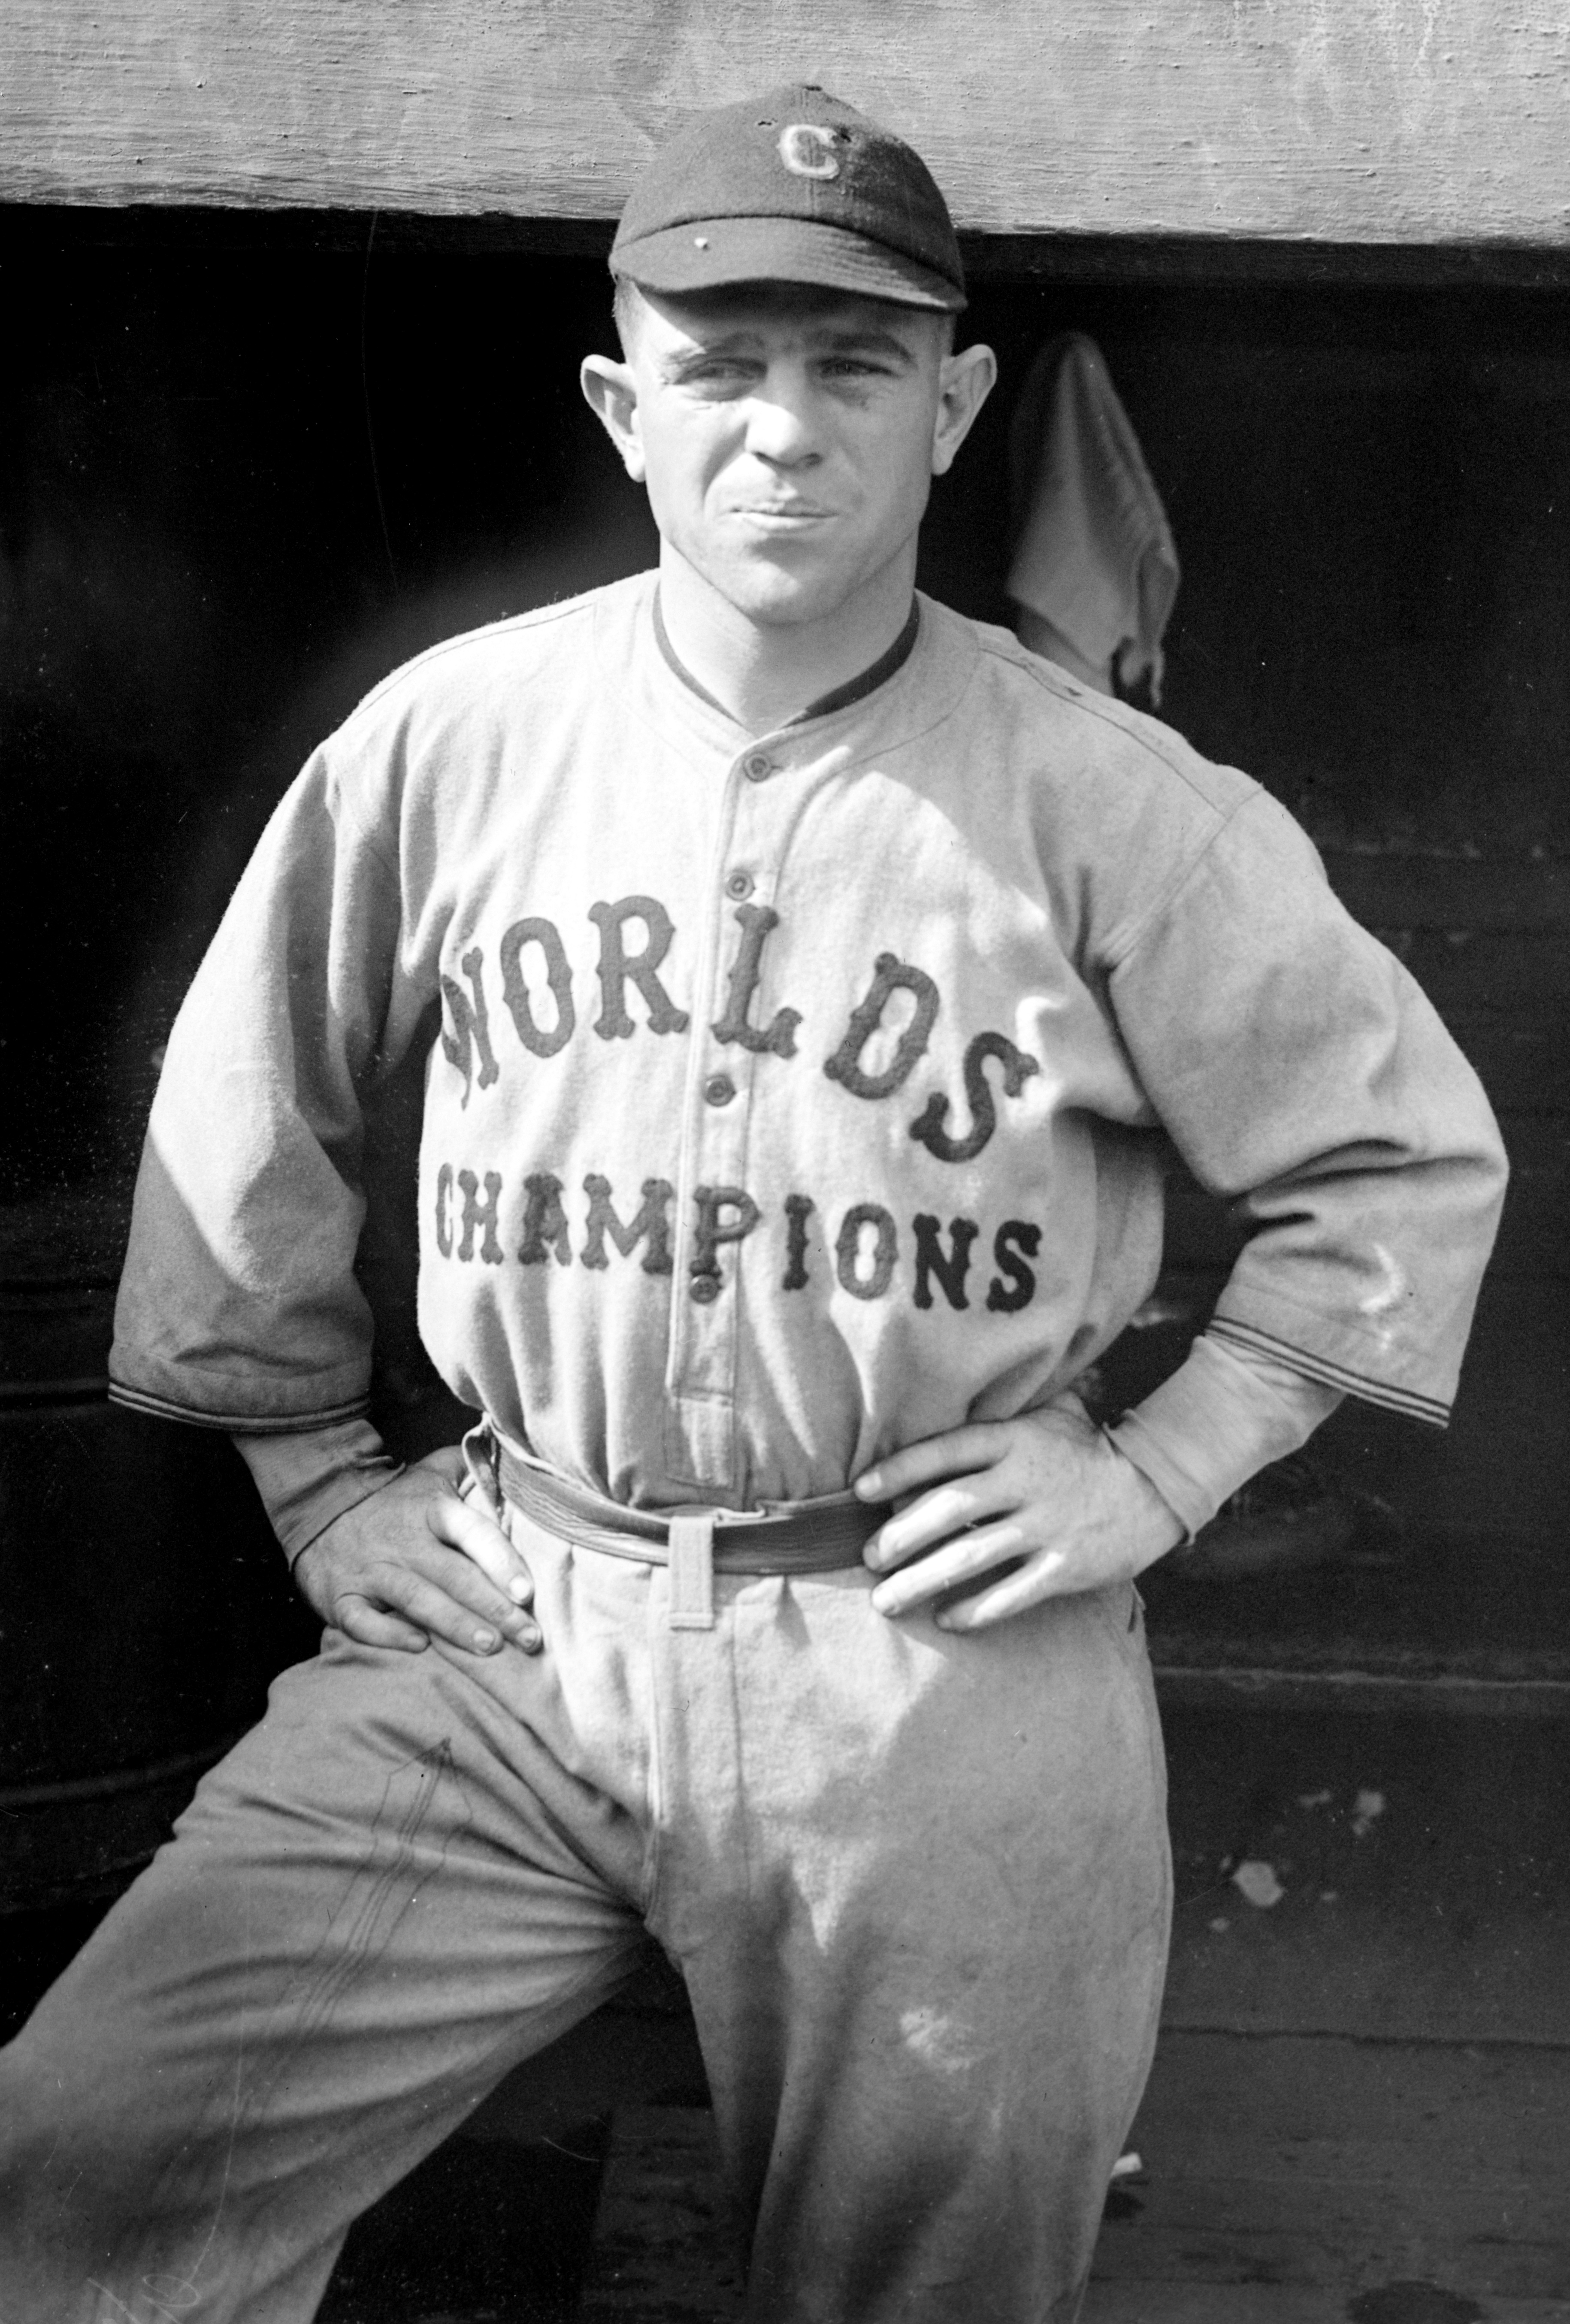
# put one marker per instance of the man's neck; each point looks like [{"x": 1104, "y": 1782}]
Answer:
[{"x": 765, "y": 675}]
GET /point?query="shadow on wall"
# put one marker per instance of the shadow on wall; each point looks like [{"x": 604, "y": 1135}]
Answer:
[
  {"x": 237, "y": 491},
  {"x": 240, "y": 486},
  {"x": 1370, "y": 495}
]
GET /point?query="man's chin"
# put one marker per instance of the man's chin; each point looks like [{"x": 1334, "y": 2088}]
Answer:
[{"x": 784, "y": 600}]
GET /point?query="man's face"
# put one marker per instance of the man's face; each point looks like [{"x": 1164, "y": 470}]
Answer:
[{"x": 787, "y": 435}]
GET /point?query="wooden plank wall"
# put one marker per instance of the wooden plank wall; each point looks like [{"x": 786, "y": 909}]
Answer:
[
  {"x": 1349, "y": 121},
  {"x": 246, "y": 481}
]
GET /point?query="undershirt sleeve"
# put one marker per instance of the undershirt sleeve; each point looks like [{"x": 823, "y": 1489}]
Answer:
[
  {"x": 1224, "y": 1413},
  {"x": 307, "y": 1478}
]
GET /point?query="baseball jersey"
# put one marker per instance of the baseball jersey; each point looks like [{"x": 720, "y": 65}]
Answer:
[{"x": 789, "y": 1097}]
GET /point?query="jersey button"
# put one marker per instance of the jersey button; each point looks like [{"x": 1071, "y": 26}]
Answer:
[
  {"x": 704, "y": 1288},
  {"x": 739, "y": 884},
  {"x": 757, "y": 766},
  {"x": 719, "y": 1089}
]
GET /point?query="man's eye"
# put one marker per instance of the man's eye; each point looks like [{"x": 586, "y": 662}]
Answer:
[{"x": 719, "y": 371}]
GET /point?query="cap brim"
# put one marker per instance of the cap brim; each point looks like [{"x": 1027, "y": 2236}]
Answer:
[{"x": 704, "y": 254}]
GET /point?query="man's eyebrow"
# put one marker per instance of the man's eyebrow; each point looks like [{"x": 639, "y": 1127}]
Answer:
[
  {"x": 728, "y": 343},
  {"x": 833, "y": 339},
  {"x": 870, "y": 339}
]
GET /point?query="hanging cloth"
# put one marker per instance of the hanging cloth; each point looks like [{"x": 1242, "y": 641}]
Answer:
[{"x": 1095, "y": 559}]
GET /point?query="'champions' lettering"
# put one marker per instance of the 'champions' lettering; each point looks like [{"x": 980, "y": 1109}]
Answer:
[
  {"x": 479, "y": 1214},
  {"x": 870, "y": 1250},
  {"x": 948, "y": 1265},
  {"x": 652, "y": 1224},
  {"x": 799, "y": 1209},
  {"x": 1013, "y": 1237},
  {"x": 544, "y": 1222},
  {"x": 866, "y": 1274},
  {"x": 714, "y": 1228}
]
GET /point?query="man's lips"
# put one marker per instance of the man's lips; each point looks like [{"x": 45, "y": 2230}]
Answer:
[{"x": 781, "y": 511}]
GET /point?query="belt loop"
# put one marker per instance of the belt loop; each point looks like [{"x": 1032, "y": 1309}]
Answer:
[
  {"x": 479, "y": 1451},
  {"x": 691, "y": 1547}
]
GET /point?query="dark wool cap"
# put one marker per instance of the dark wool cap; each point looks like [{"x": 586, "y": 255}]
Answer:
[{"x": 793, "y": 187}]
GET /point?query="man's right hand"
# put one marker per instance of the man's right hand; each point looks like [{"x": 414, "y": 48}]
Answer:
[{"x": 414, "y": 1562}]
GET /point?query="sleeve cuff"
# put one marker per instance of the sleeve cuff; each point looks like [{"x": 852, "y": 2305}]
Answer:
[
  {"x": 1225, "y": 1413},
  {"x": 308, "y": 1479}
]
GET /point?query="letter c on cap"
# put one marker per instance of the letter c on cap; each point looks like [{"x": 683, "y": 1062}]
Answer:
[{"x": 808, "y": 150}]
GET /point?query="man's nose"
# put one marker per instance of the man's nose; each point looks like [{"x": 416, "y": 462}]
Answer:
[{"x": 780, "y": 423}]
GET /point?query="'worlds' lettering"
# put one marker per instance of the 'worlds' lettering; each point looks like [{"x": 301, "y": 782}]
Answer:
[
  {"x": 466, "y": 1032},
  {"x": 890, "y": 976},
  {"x": 779, "y": 1037},
  {"x": 928, "y": 1126}
]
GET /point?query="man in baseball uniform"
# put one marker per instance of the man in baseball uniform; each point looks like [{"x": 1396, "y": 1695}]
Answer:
[{"x": 810, "y": 981}]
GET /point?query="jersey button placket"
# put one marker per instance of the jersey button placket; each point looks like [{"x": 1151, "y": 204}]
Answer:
[{"x": 707, "y": 1316}]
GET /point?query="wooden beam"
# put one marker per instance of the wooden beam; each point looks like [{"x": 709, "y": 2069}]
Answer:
[
  {"x": 1427, "y": 2177},
  {"x": 1287, "y": 2178},
  {"x": 1442, "y": 1695},
  {"x": 1366, "y": 122}
]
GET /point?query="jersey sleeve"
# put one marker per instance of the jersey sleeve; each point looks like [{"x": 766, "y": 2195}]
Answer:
[
  {"x": 238, "y": 1305},
  {"x": 1303, "y": 1076}
]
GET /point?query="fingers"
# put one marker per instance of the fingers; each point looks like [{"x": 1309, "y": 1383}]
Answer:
[
  {"x": 481, "y": 1539},
  {"x": 945, "y": 1569},
  {"x": 448, "y": 1463},
  {"x": 932, "y": 1518},
  {"x": 453, "y": 1573},
  {"x": 449, "y": 1599},
  {"x": 1043, "y": 1576},
  {"x": 957, "y": 1452},
  {"x": 487, "y": 1575},
  {"x": 1043, "y": 1497},
  {"x": 358, "y": 1619},
  {"x": 412, "y": 1563}
]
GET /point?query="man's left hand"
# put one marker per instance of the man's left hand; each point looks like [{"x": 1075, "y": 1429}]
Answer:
[{"x": 1046, "y": 1496}]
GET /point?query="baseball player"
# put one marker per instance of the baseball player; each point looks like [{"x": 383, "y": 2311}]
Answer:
[{"x": 810, "y": 981}]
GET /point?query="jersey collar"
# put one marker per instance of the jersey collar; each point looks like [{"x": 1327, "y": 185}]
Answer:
[{"x": 838, "y": 698}]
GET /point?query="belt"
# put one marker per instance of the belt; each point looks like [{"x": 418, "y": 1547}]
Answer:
[{"x": 817, "y": 1536}]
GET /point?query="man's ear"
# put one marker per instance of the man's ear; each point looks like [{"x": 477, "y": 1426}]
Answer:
[
  {"x": 964, "y": 385},
  {"x": 611, "y": 392}
]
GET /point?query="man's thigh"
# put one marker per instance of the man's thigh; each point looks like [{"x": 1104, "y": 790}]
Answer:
[
  {"x": 921, "y": 1889},
  {"x": 373, "y": 1906}
]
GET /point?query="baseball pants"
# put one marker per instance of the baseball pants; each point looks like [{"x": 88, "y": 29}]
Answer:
[{"x": 917, "y": 1886}]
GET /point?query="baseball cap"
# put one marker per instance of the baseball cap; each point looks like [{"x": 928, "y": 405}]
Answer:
[{"x": 790, "y": 186}]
